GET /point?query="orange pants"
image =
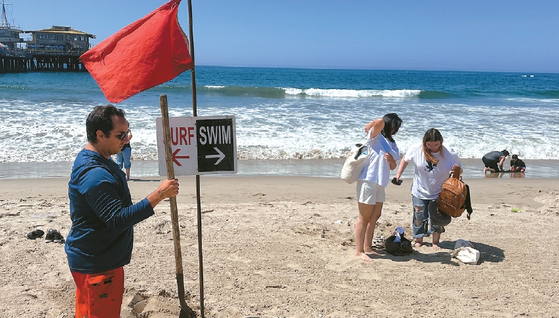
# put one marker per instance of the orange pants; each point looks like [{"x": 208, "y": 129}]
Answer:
[{"x": 99, "y": 295}]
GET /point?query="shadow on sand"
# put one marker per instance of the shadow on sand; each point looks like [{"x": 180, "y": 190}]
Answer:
[{"x": 487, "y": 254}]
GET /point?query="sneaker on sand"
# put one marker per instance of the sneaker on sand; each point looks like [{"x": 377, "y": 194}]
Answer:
[
  {"x": 379, "y": 242},
  {"x": 58, "y": 238},
  {"x": 50, "y": 236},
  {"x": 35, "y": 234}
]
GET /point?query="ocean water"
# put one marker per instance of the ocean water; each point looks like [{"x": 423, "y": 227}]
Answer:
[{"x": 293, "y": 114}]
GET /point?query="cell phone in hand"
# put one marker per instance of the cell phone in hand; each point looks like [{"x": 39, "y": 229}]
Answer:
[{"x": 397, "y": 181}]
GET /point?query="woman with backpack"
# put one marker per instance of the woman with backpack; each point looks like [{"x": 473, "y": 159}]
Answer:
[{"x": 433, "y": 163}]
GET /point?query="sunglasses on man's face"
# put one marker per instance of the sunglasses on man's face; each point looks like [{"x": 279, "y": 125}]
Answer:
[{"x": 122, "y": 135}]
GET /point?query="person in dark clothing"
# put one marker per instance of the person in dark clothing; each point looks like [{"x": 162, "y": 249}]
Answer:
[
  {"x": 103, "y": 216},
  {"x": 517, "y": 165},
  {"x": 494, "y": 161}
]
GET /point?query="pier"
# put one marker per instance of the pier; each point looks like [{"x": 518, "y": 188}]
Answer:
[
  {"x": 55, "y": 49},
  {"x": 14, "y": 64},
  {"x": 58, "y": 63},
  {"x": 41, "y": 62}
]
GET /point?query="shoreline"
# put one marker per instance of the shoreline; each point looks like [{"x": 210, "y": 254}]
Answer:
[{"x": 322, "y": 168}]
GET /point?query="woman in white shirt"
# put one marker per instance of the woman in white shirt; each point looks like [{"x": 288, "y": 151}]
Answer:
[
  {"x": 433, "y": 163},
  {"x": 374, "y": 179}
]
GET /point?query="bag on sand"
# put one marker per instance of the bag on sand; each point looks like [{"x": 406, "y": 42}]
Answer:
[
  {"x": 355, "y": 162},
  {"x": 398, "y": 245},
  {"x": 455, "y": 195},
  {"x": 465, "y": 252}
]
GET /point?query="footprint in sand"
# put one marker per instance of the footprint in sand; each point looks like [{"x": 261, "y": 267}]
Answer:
[
  {"x": 344, "y": 263},
  {"x": 237, "y": 258}
]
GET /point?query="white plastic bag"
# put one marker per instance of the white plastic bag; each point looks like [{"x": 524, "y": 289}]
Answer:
[{"x": 465, "y": 252}]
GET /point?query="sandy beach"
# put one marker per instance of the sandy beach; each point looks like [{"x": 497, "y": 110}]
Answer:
[{"x": 284, "y": 247}]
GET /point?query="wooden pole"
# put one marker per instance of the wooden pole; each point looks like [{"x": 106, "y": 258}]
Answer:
[
  {"x": 186, "y": 311},
  {"x": 198, "y": 192}
]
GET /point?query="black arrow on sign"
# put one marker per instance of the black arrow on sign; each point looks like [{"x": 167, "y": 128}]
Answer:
[
  {"x": 219, "y": 155},
  {"x": 175, "y": 157}
]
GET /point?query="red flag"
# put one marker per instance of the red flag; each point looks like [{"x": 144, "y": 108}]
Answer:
[{"x": 146, "y": 53}]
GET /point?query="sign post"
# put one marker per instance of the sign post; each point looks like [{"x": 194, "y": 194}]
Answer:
[
  {"x": 216, "y": 144},
  {"x": 186, "y": 311},
  {"x": 199, "y": 145},
  {"x": 193, "y": 146}
]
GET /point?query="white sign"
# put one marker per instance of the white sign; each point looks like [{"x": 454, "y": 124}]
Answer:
[{"x": 199, "y": 145}]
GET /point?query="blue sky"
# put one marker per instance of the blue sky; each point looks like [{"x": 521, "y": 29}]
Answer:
[{"x": 476, "y": 35}]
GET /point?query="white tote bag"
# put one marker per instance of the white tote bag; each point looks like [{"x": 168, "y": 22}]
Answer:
[
  {"x": 465, "y": 252},
  {"x": 355, "y": 162}
]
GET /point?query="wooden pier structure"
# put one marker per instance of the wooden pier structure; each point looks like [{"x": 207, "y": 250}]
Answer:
[
  {"x": 41, "y": 62},
  {"x": 13, "y": 64},
  {"x": 56, "y": 49}
]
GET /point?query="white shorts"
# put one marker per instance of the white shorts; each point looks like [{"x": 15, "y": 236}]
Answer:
[{"x": 369, "y": 192}]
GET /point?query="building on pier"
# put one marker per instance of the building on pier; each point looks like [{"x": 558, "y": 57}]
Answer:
[
  {"x": 60, "y": 39},
  {"x": 55, "y": 49}
]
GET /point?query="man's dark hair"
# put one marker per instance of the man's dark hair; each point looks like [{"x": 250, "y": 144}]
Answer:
[
  {"x": 101, "y": 119},
  {"x": 505, "y": 152}
]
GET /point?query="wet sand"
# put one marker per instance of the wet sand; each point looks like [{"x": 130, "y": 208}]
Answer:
[{"x": 328, "y": 168}]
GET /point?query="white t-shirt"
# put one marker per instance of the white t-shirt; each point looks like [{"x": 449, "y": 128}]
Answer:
[
  {"x": 428, "y": 179},
  {"x": 377, "y": 169}
]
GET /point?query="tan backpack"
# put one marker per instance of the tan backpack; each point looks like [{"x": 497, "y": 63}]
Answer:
[{"x": 455, "y": 195}]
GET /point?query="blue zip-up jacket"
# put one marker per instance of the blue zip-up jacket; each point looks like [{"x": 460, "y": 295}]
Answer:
[{"x": 102, "y": 214}]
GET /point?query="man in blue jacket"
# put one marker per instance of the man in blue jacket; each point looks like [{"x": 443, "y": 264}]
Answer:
[{"x": 100, "y": 240}]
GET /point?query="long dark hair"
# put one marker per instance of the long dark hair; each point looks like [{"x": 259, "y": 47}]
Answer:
[
  {"x": 391, "y": 122},
  {"x": 432, "y": 135}
]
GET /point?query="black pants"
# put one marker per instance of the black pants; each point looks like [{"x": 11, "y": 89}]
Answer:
[{"x": 491, "y": 164}]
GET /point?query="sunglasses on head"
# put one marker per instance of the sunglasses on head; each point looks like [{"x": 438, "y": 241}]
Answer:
[{"x": 122, "y": 135}]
